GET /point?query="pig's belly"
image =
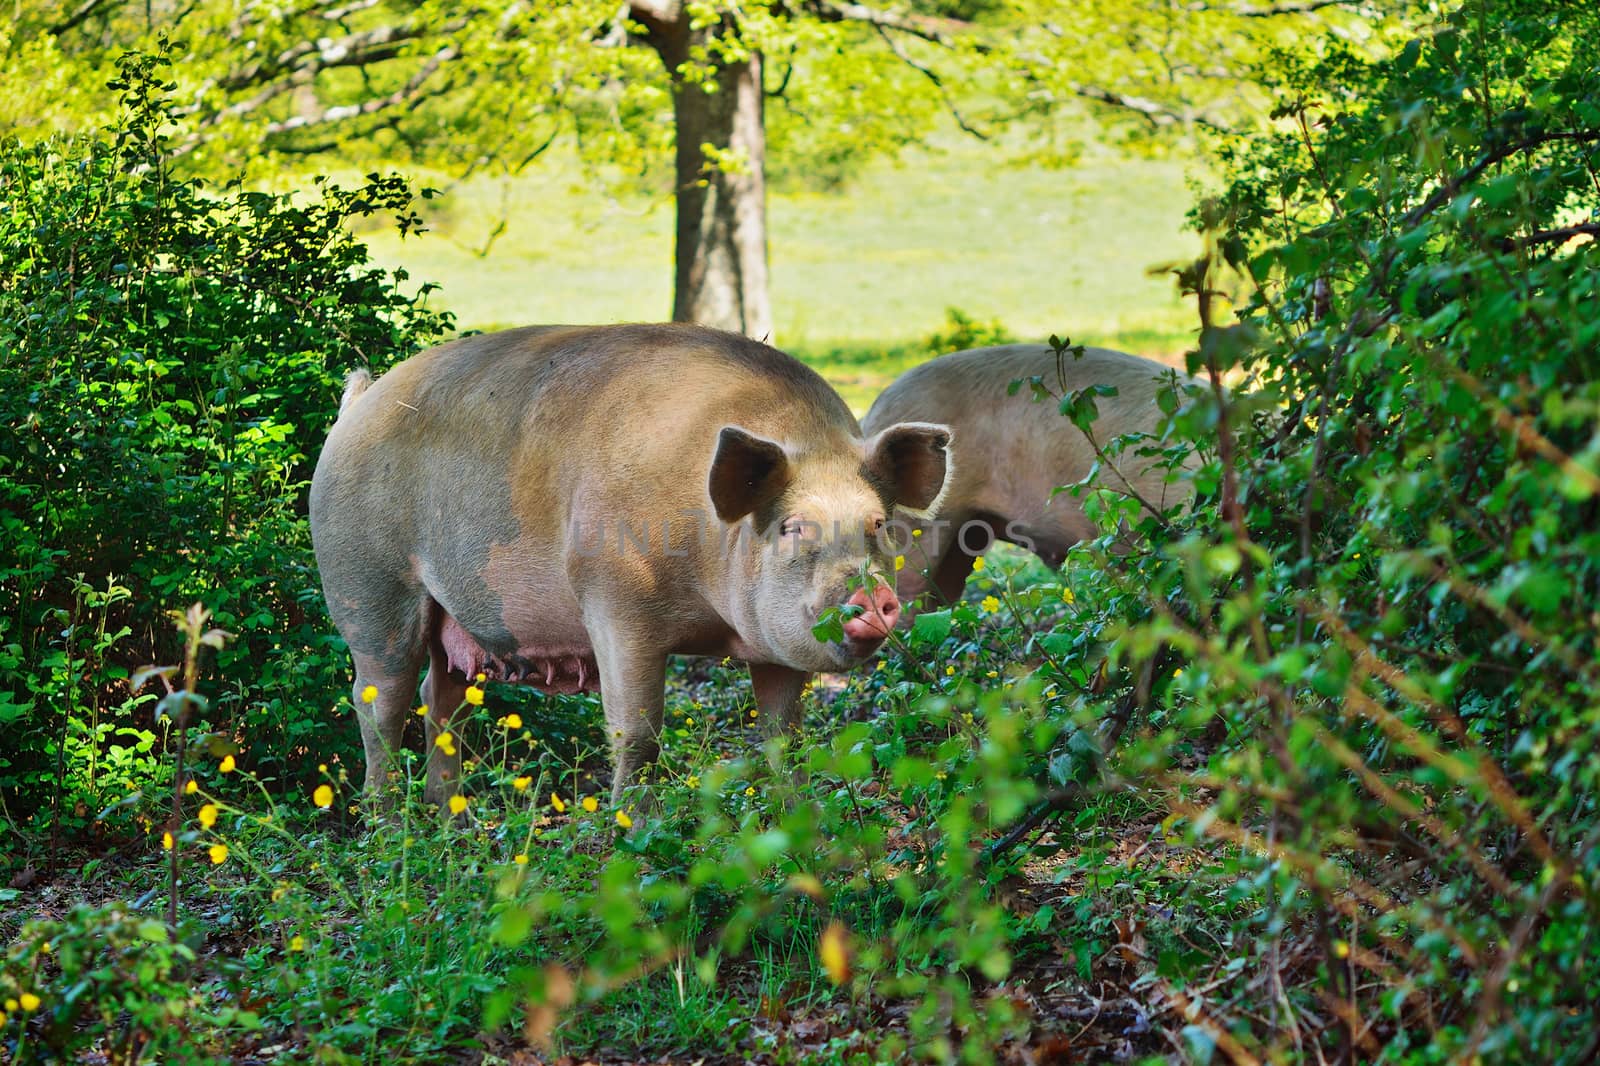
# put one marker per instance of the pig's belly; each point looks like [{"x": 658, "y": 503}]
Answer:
[{"x": 550, "y": 666}]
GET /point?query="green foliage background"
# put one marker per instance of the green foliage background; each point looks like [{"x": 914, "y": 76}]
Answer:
[{"x": 1309, "y": 767}]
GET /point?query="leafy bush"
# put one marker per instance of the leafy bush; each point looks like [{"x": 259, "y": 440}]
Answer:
[
  {"x": 1381, "y": 737},
  {"x": 172, "y": 356}
]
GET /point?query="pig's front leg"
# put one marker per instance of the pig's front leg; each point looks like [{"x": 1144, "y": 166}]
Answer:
[
  {"x": 777, "y": 690},
  {"x": 633, "y": 678}
]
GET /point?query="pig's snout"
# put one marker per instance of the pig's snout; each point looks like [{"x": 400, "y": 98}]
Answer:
[{"x": 880, "y": 609}]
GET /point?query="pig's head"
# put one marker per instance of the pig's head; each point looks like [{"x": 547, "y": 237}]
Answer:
[{"x": 819, "y": 519}]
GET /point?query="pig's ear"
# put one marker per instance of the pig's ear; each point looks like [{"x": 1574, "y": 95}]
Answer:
[
  {"x": 747, "y": 473},
  {"x": 913, "y": 460}
]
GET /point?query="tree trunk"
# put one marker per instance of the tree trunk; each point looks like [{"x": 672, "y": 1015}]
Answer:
[{"x": 721, "y": 247}]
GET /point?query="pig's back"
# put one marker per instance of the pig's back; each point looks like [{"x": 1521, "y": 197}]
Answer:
[{"x": 1011, "y": 450}]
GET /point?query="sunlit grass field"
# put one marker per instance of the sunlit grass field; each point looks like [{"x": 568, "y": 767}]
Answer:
[{"x": 860, "y": 276}]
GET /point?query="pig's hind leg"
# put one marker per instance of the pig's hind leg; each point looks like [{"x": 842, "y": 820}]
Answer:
[
  {"x": 383, "y": 720},
  {"x": 444, "y": 691}
]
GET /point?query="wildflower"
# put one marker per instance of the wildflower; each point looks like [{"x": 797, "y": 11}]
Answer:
[
  {"x": 750, "y": 790},
  {"x": 899, "y": 563},
  {"x": 2, "y": 1019},
  {"x": 977, "y": 565},
  {"x": 279, "y": 891},
  {"x": 688, "y": 721},
  {"x": 474, "y": 695},
  {"x": 555, "y": 801},
  {"x": 218, "y": 853},
  {"x": 1177, "y": 673},
  {"x": 754, "y": 712},
  {"x": 521, "y": 783},
  {"x": 190, "y": 787},
  {"x": 916, "y": 532},
  {"x": 29, "y": 1001},
  {"x": 458, "y": 803},
  {"x": 521, "y": 859},
  {"x": 369, "y": 694},
  {"x": 990, "y": 605},
  {"x": 297, "y": 943},
  {"x": 422, "y": 712},
  {"x": 992, "y": 673},
  {"x": 1341, "y": 949},
  {"x": 950, "y": 671},
  {"x": 1067, "y": 597},
  {"x": 480, "y": 677},
  {"x": 323, "y": 797},
  {"x": 513, "y": 721},
  {"x": 11, "y": 1005},
  {"x": 591, "y": 804},
  {"x": 693, "y": 781},
  {"x": 444, "y": 742},
  {"x": 322, "y": 767},
  {"x": 208, "y": 815},
  {"x": 166, "y": 841},
  {"x": 623, "y": 820},
  {"x": 226, "y": 765}
]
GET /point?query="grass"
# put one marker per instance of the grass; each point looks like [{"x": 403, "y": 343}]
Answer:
[{"x": 858, "y": 275}]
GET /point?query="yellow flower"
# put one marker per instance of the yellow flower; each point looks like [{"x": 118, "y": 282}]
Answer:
[
  {"x": 1066, "y": 596},
  {"x": 443, "y": 742},
  {"x": 520, "y": 860},
  {"x": 458, "y": 803},
  {"x": 166, "y": 841},
  {"x": 422, "y": 712},
  {"x": 11, "y": 1004},
  {"x": 369, "y": 694},
  {"x": 323, "y": 796},
  {"x": 750, "y": 790},
  {"x": 591, "y": 804},
  {"x": 990, "y": 605},
  {"x": 1341, "y": 949},
  {"x": 754, "y": 713},
  {"x": 950, "y": 671},
  {"x": 29, "y": 1001},
  {"x": 226, "y": 765},
  {"x": 208, "y": 815},
  {"x": 322, "y": 767},
  {"x": 992, "y": 673},
  {"x": 474, "y": 695},
  {"x": 521, "y": 783},
  {"x": 190, "y": 787},
  {"x": 623, "y": 820},
  {"x": 2, "y": 1019},
  {"x": 513, "y": 721},
  {"x": 693, "y": 781},
  {"x": 688, "y": 721},
  {"x": 555, "y": 801},
  {"x": 218, "y": 853},
  {"x": 480, "y": 677},
  {"x": 977, "y": 565},
  {"x": 916, "y": 532},
  {"x": 297, "y": 943},
  {"x": 899, "y": 563},
  {"x": 279, "y": 891}
]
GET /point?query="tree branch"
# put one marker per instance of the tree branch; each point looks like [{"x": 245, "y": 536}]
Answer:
[
  {"x": 81, "y": 14},
  {"x": 933, "y": 76},
  {"x": 1549, "y": 236}
]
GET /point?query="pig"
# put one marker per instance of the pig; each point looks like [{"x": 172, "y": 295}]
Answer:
[
  {"x": 1016, "y": 451},
  {"x": 566, "y": 506}
]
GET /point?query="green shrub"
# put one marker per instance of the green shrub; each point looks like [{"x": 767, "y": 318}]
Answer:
[
  {"x": 173, "y": 356},
  {"x": 1381, "y": 738}
]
